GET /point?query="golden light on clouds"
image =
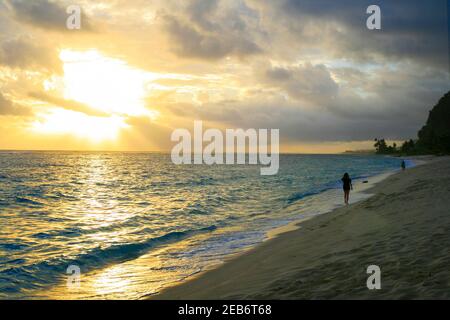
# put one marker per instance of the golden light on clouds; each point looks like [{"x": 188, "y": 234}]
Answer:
[
  {"x": 104, "y": 84},
  {"x": 96, "y": 129},
  {"x": 136, "y": 70}
]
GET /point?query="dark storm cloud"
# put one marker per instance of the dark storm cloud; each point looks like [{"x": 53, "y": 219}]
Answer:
[
  {"x": 200, "y": 12},
  {"x": 188, "y": 41},
  {"x": 394, "y": 104},
  {"x": 192, "y": 43},
  {"x": 304, "y": 82},
  {"x": 211, "y": 30},
  {"x": 410, "y": 29},
  {"x": 44, "y": 14},
  {"x": 308, "y": 67},
  {"x": 391, "y": 78}
]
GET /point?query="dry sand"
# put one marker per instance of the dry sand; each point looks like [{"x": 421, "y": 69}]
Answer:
[{"x": 404, "y": 229}]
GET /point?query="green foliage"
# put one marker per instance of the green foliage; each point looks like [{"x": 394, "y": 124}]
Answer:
[
  {"x": 381, "y": 147},
  {"x": 408, "y": 147},
  {"x": 434, "y": 137}
]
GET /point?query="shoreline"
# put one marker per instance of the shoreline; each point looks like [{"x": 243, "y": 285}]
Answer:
[
  {"x": 133, "y": 273},
  {"x": 315, "y": 251},
  {"x": 361, "y": 195},
  {"x": 293, "y": 225},
  {"x": 365, "y": 191},
  {"x": 275, "y": 232}
]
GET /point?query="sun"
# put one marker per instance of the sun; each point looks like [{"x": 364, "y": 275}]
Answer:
[
  {"x": 95, "y": 129},
  {"x": 102, "y": 83}
]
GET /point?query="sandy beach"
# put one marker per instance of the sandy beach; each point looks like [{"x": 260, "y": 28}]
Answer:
[{"x": 404, "y": 228}]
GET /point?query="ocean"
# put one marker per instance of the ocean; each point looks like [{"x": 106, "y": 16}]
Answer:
[{"x": 135, "y": 223}]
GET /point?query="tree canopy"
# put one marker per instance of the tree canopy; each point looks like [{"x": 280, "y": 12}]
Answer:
[{"x": 434, "y": 137}]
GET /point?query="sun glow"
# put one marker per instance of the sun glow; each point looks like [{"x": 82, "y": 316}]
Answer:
[
  {"x": 104, "y": 84},
  {"x": 96, "y": 129}
]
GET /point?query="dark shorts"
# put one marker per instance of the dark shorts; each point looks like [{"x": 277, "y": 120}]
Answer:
[{"x": 346, "y": 189}]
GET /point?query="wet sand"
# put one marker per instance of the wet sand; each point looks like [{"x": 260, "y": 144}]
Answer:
[{"x": 404, "y": 228}]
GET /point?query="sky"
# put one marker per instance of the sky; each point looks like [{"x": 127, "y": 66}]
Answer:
[{"x": 136, "y": 70}]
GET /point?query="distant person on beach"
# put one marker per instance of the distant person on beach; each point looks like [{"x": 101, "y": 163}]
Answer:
[
  {"x": 403, "y": 165},
  {"x": 347, "y": 185}
]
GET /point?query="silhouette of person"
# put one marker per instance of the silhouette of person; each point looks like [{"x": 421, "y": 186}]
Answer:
[
  {"x": 347, "y": 186},
  {"x": 403, "y": 165}
]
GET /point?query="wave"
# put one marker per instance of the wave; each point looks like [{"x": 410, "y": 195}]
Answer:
[
  {"x": 328, "y": 186},
  {"x": 50, "y": 271},
  {"x": 26, "y": 201},
  {"x": 301, "y": 195},
  {"x": 69, "y": 232},
  {"x": 60, "y": 195},
  {"x": 202, "y": 181},
  {"x": 238, "y": 201},
  {"x": 192, "y": 210},
  {"x": 13, "y": 246},
  {"x": 136, "y": 220}
]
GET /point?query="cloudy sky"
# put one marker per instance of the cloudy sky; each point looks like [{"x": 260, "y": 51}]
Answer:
[{"x": 137, "y": 70}]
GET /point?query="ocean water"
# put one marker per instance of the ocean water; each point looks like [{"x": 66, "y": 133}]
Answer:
[{"x": 135, "y": 223}]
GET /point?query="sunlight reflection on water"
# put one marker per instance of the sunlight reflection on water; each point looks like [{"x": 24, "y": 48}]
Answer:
[{"x": 134, "y": 222}]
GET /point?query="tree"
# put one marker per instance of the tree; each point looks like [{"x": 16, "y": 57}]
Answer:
[
  {"x": 380, "y": 146},
  {"x": 434, "y": 137},
  {"x": 408, "y": 147}
]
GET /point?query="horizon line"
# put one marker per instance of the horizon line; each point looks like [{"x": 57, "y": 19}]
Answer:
[{"x": 168, "y": 152}]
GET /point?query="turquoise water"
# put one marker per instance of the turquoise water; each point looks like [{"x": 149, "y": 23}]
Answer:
[{"x": 135, "y": 223}]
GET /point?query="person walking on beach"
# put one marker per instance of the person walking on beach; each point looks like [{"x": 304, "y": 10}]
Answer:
[
  {"x": 347, "y": 185},
  {"x": 403, "y": 165}
]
